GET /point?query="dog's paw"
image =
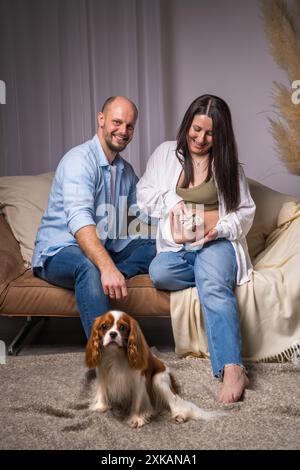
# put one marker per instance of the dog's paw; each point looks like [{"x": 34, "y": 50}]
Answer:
[
  {"x": 137, "y": 421},
  {"x": 100, "y": 407},
  {"x": 178, "y": 418}
]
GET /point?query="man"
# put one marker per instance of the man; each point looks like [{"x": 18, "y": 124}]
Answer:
[{"x": 76, "y": 246}]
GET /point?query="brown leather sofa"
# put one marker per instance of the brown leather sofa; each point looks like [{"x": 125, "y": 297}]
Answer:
[{"x": 22, "y": 294}]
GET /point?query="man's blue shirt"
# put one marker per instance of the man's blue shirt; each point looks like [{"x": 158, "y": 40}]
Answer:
[{"x": 81, "y": 195}]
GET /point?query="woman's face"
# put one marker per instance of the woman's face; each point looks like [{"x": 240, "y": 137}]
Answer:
[{"x": 200, "y": 135}]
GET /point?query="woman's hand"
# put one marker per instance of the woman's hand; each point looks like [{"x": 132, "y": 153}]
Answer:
[
  {"x": 179, "y": 209},
  {"x": 182, "y": 233},
  {"x": 209, "y": 237},
  {"x": 210, "y": 233}
]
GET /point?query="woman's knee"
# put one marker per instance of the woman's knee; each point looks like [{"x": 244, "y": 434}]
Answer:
[
  {"x": 168, "y": 271},
  {"x": 160, "y": 272},
  {"x": 158, "y": 275}
]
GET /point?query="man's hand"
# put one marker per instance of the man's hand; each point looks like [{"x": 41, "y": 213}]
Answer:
[{"x": 113, "y": 283}]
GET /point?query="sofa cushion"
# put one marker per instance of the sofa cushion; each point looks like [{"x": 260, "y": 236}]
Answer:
[
  {"x": 23, "y": 200},
  {"x": 11, "y": 263},
  {"x": 268, "y": 204},
  {"x": 29, "y": 295}
]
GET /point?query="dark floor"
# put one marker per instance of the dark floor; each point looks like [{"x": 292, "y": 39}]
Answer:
[{"x": 61, "y": 335}]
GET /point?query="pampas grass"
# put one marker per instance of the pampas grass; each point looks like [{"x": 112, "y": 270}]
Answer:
[
  {"x": 289, "y": 111},
  {"x": 287, "y": 146},
  {"x": 284, "y": 43}
]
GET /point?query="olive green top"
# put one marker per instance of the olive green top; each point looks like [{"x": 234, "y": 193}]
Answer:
[{"x": 205, "y": 193}]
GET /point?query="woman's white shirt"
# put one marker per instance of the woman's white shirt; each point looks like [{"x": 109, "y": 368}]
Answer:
[{"x": 156, "y": 196}]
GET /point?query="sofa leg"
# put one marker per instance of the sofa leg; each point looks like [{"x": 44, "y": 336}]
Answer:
[{"x": 18, "y": 341}]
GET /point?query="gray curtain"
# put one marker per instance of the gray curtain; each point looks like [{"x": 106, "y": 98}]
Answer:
[{"x": 60, "y": 59}]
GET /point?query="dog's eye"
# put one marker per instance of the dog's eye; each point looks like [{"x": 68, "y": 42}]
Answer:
[
  {"x": 104, "y": 326},
  {"x": 123, "y": 328}
]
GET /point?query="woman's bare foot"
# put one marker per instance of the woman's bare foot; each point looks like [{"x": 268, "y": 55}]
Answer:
[{"x": 234, "y": 383}]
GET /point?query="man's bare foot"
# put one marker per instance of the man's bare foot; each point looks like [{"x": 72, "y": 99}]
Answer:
[{"x": 234, "y": 383}]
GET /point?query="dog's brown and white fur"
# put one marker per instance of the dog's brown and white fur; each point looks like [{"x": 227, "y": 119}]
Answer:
[{"x": 128, "y": 373}]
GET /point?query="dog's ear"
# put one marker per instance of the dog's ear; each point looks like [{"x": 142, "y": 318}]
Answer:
[
  {"x": 137, "y": 347},
  {"x": 93, "y": 347}
]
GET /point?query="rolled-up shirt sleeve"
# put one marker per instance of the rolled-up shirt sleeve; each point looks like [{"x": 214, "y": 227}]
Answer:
[{"x": 78, "y": 186}]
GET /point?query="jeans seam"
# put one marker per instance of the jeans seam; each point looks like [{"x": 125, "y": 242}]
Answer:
[
  {"x": 83, "y": 300},
  {"x": 211, "y": 342}
]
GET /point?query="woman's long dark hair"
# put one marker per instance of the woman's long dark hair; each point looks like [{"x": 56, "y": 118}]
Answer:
[{"x": 223, "y": 153}]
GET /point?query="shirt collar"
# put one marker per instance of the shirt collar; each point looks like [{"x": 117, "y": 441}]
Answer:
[{"x": 101, "y": 157}]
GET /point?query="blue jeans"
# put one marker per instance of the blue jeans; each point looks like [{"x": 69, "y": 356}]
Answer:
[
  {"x": 213, "y": 270},
  {"x": 71, "y": 269}
]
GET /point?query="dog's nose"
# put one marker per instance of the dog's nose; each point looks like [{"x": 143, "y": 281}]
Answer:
[{"x": 113, "y": 334}]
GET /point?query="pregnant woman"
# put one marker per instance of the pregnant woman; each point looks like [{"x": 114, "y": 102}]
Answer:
[{"x": 201, "y": 168}]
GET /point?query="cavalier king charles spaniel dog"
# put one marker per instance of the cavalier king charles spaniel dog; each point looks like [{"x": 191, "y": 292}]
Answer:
[{"x": 128, "y": 374}]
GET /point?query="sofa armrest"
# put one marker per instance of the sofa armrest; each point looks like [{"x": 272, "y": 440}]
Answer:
[{"x": 11, "y": 265}]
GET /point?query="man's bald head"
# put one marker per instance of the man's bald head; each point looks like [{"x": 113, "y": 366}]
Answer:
[
  {"x": 116, "y": 122},
  {"x": 118, "y": 100}
]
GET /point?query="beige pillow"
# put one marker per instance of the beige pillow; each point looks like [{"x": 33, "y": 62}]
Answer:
[
  {"x": 23, "y": 200},
  {"x": 268, "y": 204}
]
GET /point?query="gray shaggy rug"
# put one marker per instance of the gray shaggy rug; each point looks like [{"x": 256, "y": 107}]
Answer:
[{"x": 44, "y": 406}]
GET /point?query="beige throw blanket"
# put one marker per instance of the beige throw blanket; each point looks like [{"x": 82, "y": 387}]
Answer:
[{"x": 269, "y": 304}]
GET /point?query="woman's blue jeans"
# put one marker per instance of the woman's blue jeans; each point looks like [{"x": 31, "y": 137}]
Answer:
[
  {"x": 213, "y": 270},
  {"x": 71, "y": 269}
]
